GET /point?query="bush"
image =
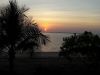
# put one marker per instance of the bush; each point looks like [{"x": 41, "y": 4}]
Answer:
[{"x": 87, "y": 44}]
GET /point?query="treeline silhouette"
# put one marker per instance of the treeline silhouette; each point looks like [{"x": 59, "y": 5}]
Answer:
[
  {"x": 18, "y": 32},
  {"x": 85, "y": 45}
]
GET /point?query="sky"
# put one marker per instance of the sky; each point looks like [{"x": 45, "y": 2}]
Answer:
[{"x": 63, "y": 15}]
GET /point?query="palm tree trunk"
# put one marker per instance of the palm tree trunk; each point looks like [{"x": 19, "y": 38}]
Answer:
[{"x": 11, "y": 57}]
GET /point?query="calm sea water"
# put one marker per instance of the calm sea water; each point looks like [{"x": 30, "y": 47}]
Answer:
[{"x": 56, "y": 40}]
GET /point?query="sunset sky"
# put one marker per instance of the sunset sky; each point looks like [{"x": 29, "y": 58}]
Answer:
[{"x": 64, "y": 15}]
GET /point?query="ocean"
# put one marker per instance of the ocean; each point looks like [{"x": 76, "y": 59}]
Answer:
[{"x": 56, "y": 40}]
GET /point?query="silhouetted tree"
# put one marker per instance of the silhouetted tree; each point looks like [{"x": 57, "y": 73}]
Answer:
[
  {"x": 86, "y": 43},
  {"x": 32, "y": 39},
  {"x": 17, "y": 31}
]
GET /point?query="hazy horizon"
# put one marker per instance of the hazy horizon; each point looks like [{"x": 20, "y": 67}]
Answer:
[{"x": 63, "y": 15}]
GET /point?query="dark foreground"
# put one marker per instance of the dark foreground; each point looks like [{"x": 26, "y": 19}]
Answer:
[{"x": 46, "y": 66}]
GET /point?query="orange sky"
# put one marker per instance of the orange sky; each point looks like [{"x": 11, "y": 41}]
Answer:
[
  {"x": 64, "y": 15},
  {"x": 66, "y": 21}
]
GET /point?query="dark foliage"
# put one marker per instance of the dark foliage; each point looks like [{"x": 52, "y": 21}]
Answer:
[
  {"x": 87, "y": 44},
  {"x": 17, "y": 31}
]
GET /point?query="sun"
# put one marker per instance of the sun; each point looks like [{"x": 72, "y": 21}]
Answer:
[
  {"x": 44, "y": 25},
  {"x": 45, "y": 29}
]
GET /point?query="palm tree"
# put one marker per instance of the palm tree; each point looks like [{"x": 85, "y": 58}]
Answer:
[
  {"x": 31, "y": 39},
  {"x": 16, "y": 29}
]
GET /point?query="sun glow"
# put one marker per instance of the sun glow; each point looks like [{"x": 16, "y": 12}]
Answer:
[
  {"x": 45, "y": 26},
  {"x": 45, "y": 29}
]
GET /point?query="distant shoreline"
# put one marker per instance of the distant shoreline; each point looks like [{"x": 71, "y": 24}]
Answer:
[
  {"x": 72, "y": 32},
  {"x": 63, "y": 32}
]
